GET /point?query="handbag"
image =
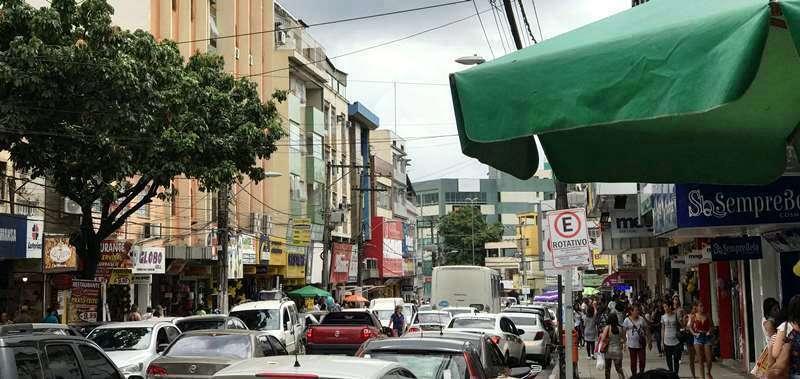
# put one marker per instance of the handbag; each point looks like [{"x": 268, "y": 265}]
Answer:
[
  {"x": 763, "y": 363},
  {"x": 602, "y": 344},
  {"x": 601, "y": 361}
]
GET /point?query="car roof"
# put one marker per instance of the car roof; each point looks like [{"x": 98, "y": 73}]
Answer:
[
  {"x": 135, "y": 324},
  {"x": 202, "y": 318},
  {"x": 13, "y": 339},
  {"x": 432, "y": 312},
  {"x": 328, "y": 366},
  {"x": 263, "y": 304},
  {"x": 477, "y": 315},
  {"x": 225, "y": 332},
  {"x": 458, "y": 308},
  {"x": 416, "y": 344},
  {"x": 447, "y": 334},
  {"x": 523, "y": 315}
]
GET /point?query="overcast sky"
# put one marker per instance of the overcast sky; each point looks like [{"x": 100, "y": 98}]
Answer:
[{"x": 426, "y": 110}]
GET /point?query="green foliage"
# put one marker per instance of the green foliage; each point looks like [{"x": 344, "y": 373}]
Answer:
[
  {"x": 456, "y": 230},
  {"x": 110, "y": 116}
]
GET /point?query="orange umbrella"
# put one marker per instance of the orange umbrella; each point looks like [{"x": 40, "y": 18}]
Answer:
[{"x": 355, "y": 299}]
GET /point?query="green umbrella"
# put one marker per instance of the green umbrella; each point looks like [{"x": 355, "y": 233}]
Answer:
[
  {"x": 589, "y": 291},
  {"x": 309, "y": 291},
  {"x": 669, "y": 91}
]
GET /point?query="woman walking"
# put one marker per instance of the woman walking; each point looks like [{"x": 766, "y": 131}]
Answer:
[
  {"x": 700, "y": 327},
  {"x": 589, "y": 331},
  {"x": 670, "y": 327},
  {"x": 613, "y": 338},
  {"x": 636, "y": 335}
]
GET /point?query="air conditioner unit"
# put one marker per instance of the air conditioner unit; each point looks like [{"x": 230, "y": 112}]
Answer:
[
  {"x": 266, "y": 224},
  {"x": 256, "y": 222},
  {"x": 152, "y": 230},
  {"x": 71, "y": 207},
  {"x": 280, "y": 37}
]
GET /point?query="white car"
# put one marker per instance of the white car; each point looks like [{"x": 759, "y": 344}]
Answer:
[
  {"x": 133, "y": 345},
  {"x": 535, "y": 338},
  {"x": 277, "y": 317},
  {"x": 429, "y": 320},
  {"x": 459, "y": 310},
  {"x": 501, "y": 329},
  {"x": 314, "y": 366}
]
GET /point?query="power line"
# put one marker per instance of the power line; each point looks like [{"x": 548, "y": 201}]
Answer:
[
  {"x": 518, "y": 19},
  {"x": 385, "y": 43},
  {"x": 525, "y": 18},
  {"x": 538, "y": 24},
  {"x": 486, "y": 36},
  {"x": 500, "y": 34},
  {"x": 326, "y": 22}
]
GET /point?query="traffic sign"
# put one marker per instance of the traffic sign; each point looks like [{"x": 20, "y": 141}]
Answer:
[{"x": 568, "y": 238}]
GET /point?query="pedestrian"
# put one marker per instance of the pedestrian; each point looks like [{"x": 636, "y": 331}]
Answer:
[
  {"x": 670, "y": 329},
  {"x": 613, "y": 339},
  {"x": 158, "y": 312},
  {"x": 148, "y": 314},
  {"x": 787, "y": 364},
  {"x": 23, "y": 315},
  {"x": 589, "y": 331},
  {"x": 701, "y": 329},
  {"x": 397, "y": 322},
  {"x": 636, "y": 334},
  {"x": 4, "y": 320},
  {"x": 134, "y": 314},
  {"x": 654, "y": 320},
  {"x": 771, "y": 308},
  {"x": 51, "y": 317},
  {"x": 578, "y": 317}
]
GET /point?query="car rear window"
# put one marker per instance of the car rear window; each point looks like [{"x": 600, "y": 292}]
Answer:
[
  {"x": 524, "y": 321},
  {"x": 347, "y": 318},
  {"x": 187, "y": 326},
  {"x": 234, "y": 346},
  {"x": 476, "y": 323},
  {"x": 428, "y": 366},
  {"x": 28, "y": 364}
]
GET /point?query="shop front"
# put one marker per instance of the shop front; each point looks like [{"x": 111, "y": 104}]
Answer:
[
  {"x": 276, "y": 270},
  {"x": 21, "y": 279},
  {"x": 386, "y": 250}
]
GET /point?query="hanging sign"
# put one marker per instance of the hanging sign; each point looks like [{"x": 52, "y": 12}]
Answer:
[
  {"x": 120, "y": 276},
  {"x": 247, "y": 249},
  {"x": 59, "y": 255},
  {"x": 113, "y": 254},
  {"x": 83, "y": 300},
  {"x": 300, "y": 232},
  {"x": 735, "y": 248},
  {"x": 148, "y": 260},
  {"x": 569, "y": 240}
]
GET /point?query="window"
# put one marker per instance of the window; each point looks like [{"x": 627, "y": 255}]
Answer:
[
  {"x": 286, "y": 319},
  {"x": 294, "y": 187},
  {"x": 28, "y": 364},
  {"x": 399, "y": 373},
  {"x": 172, "y": 333},
  {"x": 62, "y": 362},
  {"x": 162, "y": 338},
  {"x": 298, "y": 87},
  {"x": 277, "y": 346},
  {"x": 428, "y": 198},
  {"x": 97, "y": 365},
  {"x": 461, "y": 197},
  {"x": 235, "y": 346},
  {"x": 212, "y": 25}
]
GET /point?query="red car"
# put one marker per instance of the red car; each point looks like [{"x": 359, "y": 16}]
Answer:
[{"x": 343, "y": 333}]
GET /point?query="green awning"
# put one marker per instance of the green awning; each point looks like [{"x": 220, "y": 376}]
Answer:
[
  {"x": 309, "y": 291},
  {"x": 668, "y": 91}
]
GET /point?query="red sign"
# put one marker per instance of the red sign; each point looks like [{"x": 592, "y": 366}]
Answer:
[
  {"x": 340, "y": 262},
  {"x": 84, "y": 299},
  {"x": 113, "y": 254}
]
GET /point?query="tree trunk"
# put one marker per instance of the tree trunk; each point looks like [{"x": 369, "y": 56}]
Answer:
[{"x": 87, "y": 244}]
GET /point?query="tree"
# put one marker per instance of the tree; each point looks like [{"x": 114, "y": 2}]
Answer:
[
  {"x": 456, "y": 229},
  {"x": 110, "y": 116}
]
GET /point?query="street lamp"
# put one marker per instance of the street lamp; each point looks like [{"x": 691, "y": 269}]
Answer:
[
  {"x": 472, "y": 201},
  {"x": 471, "y": 60},
  {"x": 272, "y": 174}
]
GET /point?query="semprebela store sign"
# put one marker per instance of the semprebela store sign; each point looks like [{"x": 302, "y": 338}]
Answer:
[
  {"x": 702, "y": 205},
  {"x": 386, "y": 246}
]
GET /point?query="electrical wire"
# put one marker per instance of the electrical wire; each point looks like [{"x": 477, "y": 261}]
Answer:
[
  {"x": 326, "y": 22},
  {"x": 500, "y": 34},
  {"x": 525, "y": 18},
  {"x": 480, "y": 20},
  {"x": 518, "y": 21},
  {"x": 538, "y": 24}
]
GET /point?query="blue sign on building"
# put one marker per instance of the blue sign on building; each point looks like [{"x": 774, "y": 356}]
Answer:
[
  {"x": 13, "y": 233},
  {"x": 703, "y": 205},
  {"x": 735, "y": 248}
]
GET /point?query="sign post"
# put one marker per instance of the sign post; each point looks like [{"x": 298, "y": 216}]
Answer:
[{"x": 569, "y": 243}]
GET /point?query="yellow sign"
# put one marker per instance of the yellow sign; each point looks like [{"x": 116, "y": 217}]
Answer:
[
  {"x": 301, "y": 232},
  {"x": 599, "y": 259},
  {"x": 120, "y": 277},
  {"x": 59, "y": 255}
]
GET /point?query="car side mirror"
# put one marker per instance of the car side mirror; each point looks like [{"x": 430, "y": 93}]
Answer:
[
  {"x": 519, "y": 372},
  {"x": 161, "y": 347},
  {"x": 520, "y": 332}
]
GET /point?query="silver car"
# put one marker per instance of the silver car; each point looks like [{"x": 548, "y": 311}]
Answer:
[
  {"x": 314, "y": 366},
  {"x": 535, "y": 337},
  {"x": 502, "y": 330}
]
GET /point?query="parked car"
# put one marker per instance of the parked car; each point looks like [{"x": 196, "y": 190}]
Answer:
[
  {"x": 429, "y": 321},
  {"x": 133, "y": 345},
  {"x": 503, "y": 331},
  {"x": 535, "y": 337},
  {"x": 425, "y": 307},
  {"x": 492, "y": 359},
  {"x": 219, "y": 322},
  {"x": 204, "y": 352},
  {"x": 278, "y": 317},
  {"x": 343, "y": 332},
  {"x": 436, "y": 358},
  {"x": 459, "y": 310},
  {"x": 29, "y": 353},
  {"x": 84, "y": 328},
  {"x": 548, "y": 322},
  {"x": 315, "y": 366},
  {"x": 44, "y": 328}
]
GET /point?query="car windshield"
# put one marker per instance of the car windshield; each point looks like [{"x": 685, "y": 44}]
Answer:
[
  {"x": 115, "y": 339},
  {"x": 189, "y": 325},
  {"x": 384, "y": 315},
  {"x": 454, "y": 312},
  {"x": 347, "y": 318},
  {"x": 259, "y": 319},
  {"x": 524, "y": 321},
  {"x": 432, "y": 318},
  {"x": 232, "y": 346},
  {"x": 473, "y": 323},
  {"x": 428, "y": 366}
]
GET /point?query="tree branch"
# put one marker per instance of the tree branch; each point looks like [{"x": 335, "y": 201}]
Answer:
[
  {"x": 147, "y": 198},
  {"x": 129, "y": 195}
]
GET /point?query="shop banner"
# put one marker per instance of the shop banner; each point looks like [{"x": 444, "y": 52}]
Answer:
[
  {"x": 392, "y": 248},
  {"x": 148, "y": 260},
  {"x": 83, "y": 300},
  {"x": 678, "y": 261},
  {"x": 59, "y": 255},
  {"x": 340, "y": 263},
  {"x": 735, "y": 248},
  {"x": 247, "y": 249},
  {"x": 120, "y": 276},
  {"x": 35, "y": 238},
  {"x": 627, "y": 224},
  {"x": 593, "y": 280},
  {"x": 352, "y": 276},
  {"x": 264, "y": 249},
  {"x": 235, "y": 264},
  {"x": 300, "y": 232},
  {"x": 12, "y": 231},
  {"x": 783, "y": 241},
  {"x": 113, "y": 254},
  {"x": 212, "y": 239},
  {"x": 142, "y": 279},
  {"x": 408, "y": 240},
  {"x": 665, "y": 218}
]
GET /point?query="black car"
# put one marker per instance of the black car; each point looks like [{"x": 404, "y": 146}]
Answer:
[
  {"x": 207, "y": 322},
  {"x": 27, "y": 352}
]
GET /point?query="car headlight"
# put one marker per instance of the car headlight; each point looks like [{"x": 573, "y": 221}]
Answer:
[{"x": 135, "y": 368}]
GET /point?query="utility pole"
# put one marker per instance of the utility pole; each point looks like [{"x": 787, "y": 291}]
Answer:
[
  {"x": 222, "y": 257},
  {"x": 326, "y": 230},
  {"x": 512, "y": 23}
]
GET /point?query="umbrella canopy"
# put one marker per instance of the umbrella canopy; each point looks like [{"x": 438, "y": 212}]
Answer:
[
  {"x": 668, "y": 91},
  {"x": 309, "y": 291},
  {"x": 589, "y": 291},
  {"x": 355, "y": 299}
]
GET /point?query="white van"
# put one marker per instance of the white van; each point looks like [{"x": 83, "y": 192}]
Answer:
[
  {"x": 466, "y": 286},
  {"x": 278, "y": 317}
]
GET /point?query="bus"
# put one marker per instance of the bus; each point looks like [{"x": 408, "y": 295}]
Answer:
[{"x": 466, "y": 286}]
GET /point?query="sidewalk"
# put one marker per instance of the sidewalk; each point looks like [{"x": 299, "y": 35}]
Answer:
[{"x": 587, "y": 368}]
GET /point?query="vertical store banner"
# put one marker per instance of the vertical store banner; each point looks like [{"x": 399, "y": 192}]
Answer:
[
  {"x": 234, "y": 258},
  {"x": 114, "y": 254},
  {"x": 83, "y": 301},
  {"x": 247, "y": 249},
  {"x": 34, "y": 241},
  {"x": 392, "y": 248},
  {"x": 148, "y": 260},
  {"x": 59, "y": 255},
  {"x": 340, "y": 263},
  {"x": 12, "y": 228}
]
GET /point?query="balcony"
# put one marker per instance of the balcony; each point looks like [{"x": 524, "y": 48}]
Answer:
[{"x": 315, "y": 121}]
